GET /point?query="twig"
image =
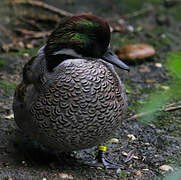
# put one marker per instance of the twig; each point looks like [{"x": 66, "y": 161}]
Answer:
[
  {"x": 8, "y": 33},
  {"x": 172, "y": 108},
  {"x": 137, "y": 116},
  {"x": 138, "y": 13},
  {"x": 42, "y": 17},
  {"x": 40, "y": 4},
  {"x": 167, "y": 109},
  {"x": 31, "y": 23},
  {"x": 172, "y": 137},
  {"x": 33, "y": 34}
]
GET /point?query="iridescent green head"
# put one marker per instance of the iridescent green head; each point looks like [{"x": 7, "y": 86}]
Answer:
[{"x": 84, "y": 35}]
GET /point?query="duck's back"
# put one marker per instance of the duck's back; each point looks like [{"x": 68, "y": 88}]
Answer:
[{"x": 77, "y": 106}]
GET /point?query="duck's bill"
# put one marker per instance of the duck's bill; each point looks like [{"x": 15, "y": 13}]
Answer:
[{"x": 110, "y": 57}]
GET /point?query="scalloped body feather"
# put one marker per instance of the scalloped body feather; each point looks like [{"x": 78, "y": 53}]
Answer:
[{"x": 77, "y": 106}]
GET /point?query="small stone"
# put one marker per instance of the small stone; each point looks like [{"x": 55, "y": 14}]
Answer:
[
  {"x": 114, "y": 140},
  {"x": 166, "y": 168},
  {"x": 9, "y": 178},
  {"x": 162, "y": 20},
  {"x": 145, "y": 169},
  {"x": 131, "y": 136},
  {"x": 26, "y": 55},
  {"x": 11, "y": 116},
  {"x": 159, "y": 65},
  {"x": 117, "y": 28},
  {"x": 21, "y": 44},
  {"x": 65, "y": 176},
  {"x": 150, "y": 81},
  {"x": 29, "y": 46},
  {"x": 135, "y": 51},
  {"x": 130, "y": 28},
  {"x": 5, "y": 47},
  {"x": 111, "y": 29},
  {"x": 121, "y": 21}
]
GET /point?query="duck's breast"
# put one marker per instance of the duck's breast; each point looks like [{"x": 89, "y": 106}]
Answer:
[{"x": 80, "y": 107}]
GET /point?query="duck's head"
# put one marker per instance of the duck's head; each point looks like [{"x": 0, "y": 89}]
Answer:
[{"x": 80, "y": 36}]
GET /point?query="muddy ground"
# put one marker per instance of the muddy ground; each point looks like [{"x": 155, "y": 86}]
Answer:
[{"x": 157, "y": 143}]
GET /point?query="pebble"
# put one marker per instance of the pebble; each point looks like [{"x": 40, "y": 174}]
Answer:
[
  {"x": 131, "y": 136},
  {"x": 159, "y": 65},
  {"x": 114, "y": 140},
  {"x": 166, "y": 168},
  {"x": 133, "y": 52},
  {"x": 65, "y": 176}
]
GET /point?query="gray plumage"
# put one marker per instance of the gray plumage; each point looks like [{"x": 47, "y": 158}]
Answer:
[{"x": 78, "y": 105}]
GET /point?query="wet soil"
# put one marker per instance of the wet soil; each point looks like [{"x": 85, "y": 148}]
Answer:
[{"x": 157, "y": 143}]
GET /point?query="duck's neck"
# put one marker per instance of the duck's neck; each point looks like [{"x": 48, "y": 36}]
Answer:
[{"x": 57, "y": 57}]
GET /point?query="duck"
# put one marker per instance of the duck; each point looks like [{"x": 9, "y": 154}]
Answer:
[{"x": 70, "y": 97}]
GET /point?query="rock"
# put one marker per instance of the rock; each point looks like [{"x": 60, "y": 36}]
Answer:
[
  {"x": 131, "y": 136},
  {"x": 158, "y": 65},
  {"x": 29, "y": 46},
  {"x": 114, "y": 140},
  {"x": 166, "y": 168},
  {"x": 135, "y": 51},
  {"x": 65, "y": 176},
  {"x": 161, "y": 19}
]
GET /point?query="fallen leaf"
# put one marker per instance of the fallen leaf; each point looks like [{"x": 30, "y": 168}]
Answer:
[
  {"x": 166, "y": 168},
  {"x": 129, "y": 155},
  {"x": 150, "y": 81},
  {"x": 135, "y": 51},
  {"x": 138, "y": 173}
]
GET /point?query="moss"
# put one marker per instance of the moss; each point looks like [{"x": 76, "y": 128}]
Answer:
[
  {"x": 120, "y": 40},
  {"x": 31, "y": 52},
  {"x": 7, "y": 86},
  {"x": 2, "y": 62},
  {"x": 128, "y": 88},
  {"x": 174, "y": 12}
]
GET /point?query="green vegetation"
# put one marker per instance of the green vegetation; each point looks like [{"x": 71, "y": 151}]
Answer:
[
  {"x": 158, "y": 99},
  {"x": 31, "y": 52},
  {"x": 2, "y": 62},
  {"x": 6, "y": 86}
]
